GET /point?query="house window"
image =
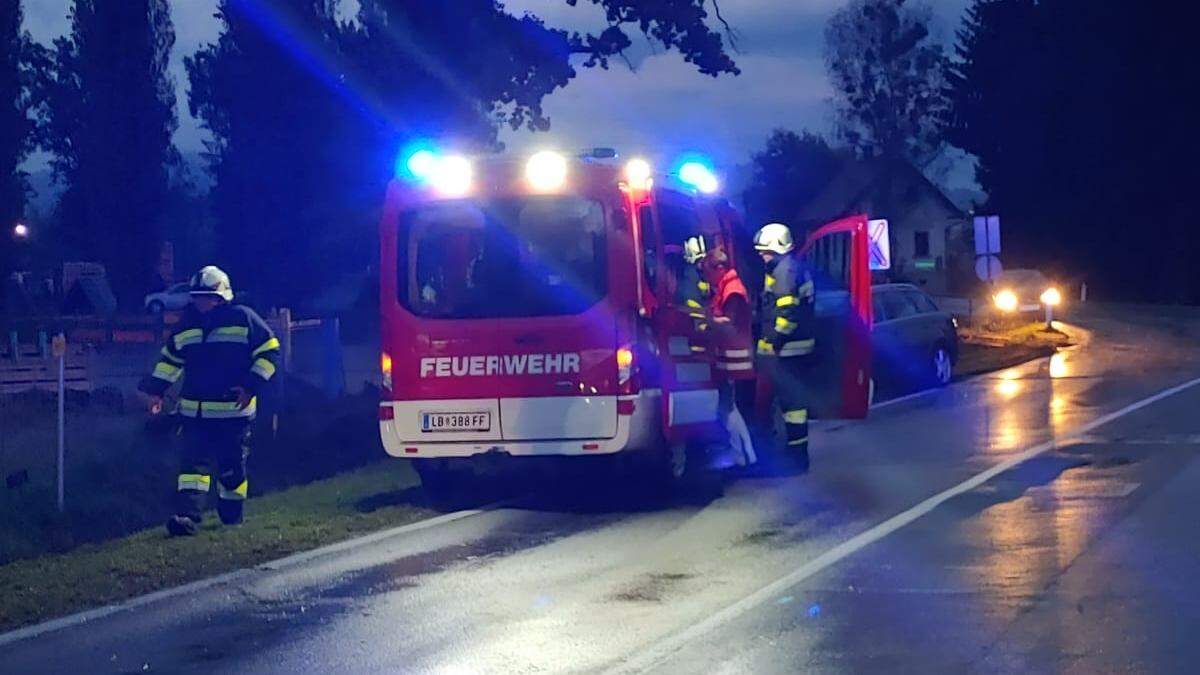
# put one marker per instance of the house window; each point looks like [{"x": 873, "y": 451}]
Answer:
[{"x": 921, "y": 244}]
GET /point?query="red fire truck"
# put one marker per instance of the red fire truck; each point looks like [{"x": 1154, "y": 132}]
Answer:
[{"x": 534, "y": 308}]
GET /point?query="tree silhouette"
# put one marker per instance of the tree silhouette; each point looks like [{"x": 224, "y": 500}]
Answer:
[
  {"x": 18, "y": 56},
  {"x": 888, "y": 76},
  {"x": 110, "y": 117},
  {"x": 788, "y": 173},
  {"x": 1074, "y": 111},
  {"x": 308, "y": 115}
]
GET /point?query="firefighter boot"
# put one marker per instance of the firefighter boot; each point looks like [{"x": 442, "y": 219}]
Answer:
[{"x": 231, "y": 496}]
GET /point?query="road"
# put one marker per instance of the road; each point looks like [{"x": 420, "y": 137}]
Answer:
[{"x": 1039, "y": 519}]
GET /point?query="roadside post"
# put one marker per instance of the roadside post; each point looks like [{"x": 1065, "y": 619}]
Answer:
[{"x": 58, "y": 348}]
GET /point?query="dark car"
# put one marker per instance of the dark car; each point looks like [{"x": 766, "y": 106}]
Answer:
[{"x": 915, "y": 344}]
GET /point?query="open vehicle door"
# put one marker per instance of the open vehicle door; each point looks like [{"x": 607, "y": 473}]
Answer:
[
  {"x": 685, "y": 368},
  {"x": 838, "y": 256}
]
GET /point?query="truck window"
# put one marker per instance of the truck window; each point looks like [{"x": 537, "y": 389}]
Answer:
[
  {"x": 678, "y": 222},
  {"x": 649, "y": 246},
  {"x": 512, "y": 257}
]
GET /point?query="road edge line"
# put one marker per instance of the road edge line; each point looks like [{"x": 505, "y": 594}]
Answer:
[
  {"x": 657, "y": 652},
  {"x": 52, "y": 625}
]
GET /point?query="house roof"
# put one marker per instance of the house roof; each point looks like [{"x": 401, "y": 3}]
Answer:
[{"x": 889, "y": 188}]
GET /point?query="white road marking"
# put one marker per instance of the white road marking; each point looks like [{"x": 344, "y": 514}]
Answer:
[
  {"x": 655, "y": 653},
  {"x": 230, "y": 578}
]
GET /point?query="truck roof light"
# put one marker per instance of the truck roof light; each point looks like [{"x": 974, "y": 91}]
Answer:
[
  {"x": 698, "y": 176},
  {"x": 546, "y": 171},
  {"x": 637, "y": 174},
  {"x": 451, "y": 176}
]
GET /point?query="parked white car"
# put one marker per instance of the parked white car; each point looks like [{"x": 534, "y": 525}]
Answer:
[{"x": 172, "y": 299}]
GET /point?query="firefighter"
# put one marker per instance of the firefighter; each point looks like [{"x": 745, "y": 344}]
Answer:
[
  {"x": 787, "y": 343},
  {"x": 694, "y": 290},
  {"x": 731, "y": 326},
  {"x": 229, "y": 354}
]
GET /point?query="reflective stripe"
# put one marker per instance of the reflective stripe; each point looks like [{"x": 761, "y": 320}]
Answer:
[
  {"x": 805, "y": 290},
  {"x": 770, "y": 281},
  {"x": 784, "y": 326},
  {"x": 237, "y": 494},
  {"x": 263, "y": 368},
  {"x": 796, "y": 416},
  {"x": 167, "y": 355},
  {"x": 693, "y": 304},
  {"x": 694, "y": 315},
  {"x": 799, "y": 441},
  {"x": 216, "y": 409},
  {"x": 704, "y": 286},
  {"x": 187, "y": 337},
  {"x": 797, "y": 348},
  {"x": 765, "y": 348},
  {"x": 238, "y": 334},
  {"x": 787, "y": 301},
  {"x": 166, "y": 371},
  {"x": 734, "y": 365},
  {"x": 736, "y": 353},
  {"x": 271, "y": 343},
  {"x": 194, "y": 481}
]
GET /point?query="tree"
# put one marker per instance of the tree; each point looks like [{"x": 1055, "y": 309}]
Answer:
[
  {"x": 299, "y": 105},
  {"x": 110, "y": 117},
  {"x": 788, "y": 173},
  {"x": 18, "y": 55},
  {"x": 1071, "y": 108},
  {"x": 888, "y": 76}
]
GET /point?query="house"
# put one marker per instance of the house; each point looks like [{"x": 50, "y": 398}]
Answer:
[{"x": 930, "y": 236}]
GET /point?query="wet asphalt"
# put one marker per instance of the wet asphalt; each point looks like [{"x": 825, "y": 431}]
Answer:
[{"x": 1082, "y": 558}]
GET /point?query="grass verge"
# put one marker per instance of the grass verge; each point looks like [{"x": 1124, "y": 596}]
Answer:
[
  {"x": 375, "y": 497},
  {"x": 986, "y": 350}
]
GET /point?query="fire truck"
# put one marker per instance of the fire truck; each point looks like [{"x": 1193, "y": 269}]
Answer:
[{"x": 532, "y": 307}]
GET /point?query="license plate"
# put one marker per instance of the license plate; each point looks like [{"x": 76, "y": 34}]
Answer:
[{"x": 434, "y": 422}]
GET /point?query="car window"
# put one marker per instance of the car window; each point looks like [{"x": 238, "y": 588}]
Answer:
[
  {"x": 877, "y": 305},
  {"x": 178, "y": 288},
  {"x": 898, "y": 306},
  {"x": 921, "y": 301}
]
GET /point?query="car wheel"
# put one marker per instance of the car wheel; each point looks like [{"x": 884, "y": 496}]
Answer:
[
  {"x": 941, "y": 366},
  {"x": 156, "y": 307}
]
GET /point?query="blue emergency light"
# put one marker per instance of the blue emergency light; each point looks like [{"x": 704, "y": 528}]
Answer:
[{"x": 698, "y": 175}]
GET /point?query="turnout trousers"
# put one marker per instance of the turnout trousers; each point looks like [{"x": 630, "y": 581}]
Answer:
[
  {"x": 214, "y": 450},
  {"x": 790, "y": 377}
]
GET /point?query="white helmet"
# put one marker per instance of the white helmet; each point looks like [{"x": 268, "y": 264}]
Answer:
[
  {"x": 212, "y": 280},
  {"x": 694, "y": 250},
  {"x": 774, "y": 237}
]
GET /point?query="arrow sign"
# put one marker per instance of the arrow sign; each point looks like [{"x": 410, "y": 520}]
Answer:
[{"x": 879, "y": 246}]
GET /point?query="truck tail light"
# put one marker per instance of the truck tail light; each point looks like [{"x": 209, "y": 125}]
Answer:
[
  {"x": 386, "y": 413},
  {"x": 385, "y": 365},
  {"x": 626, "y": 371}
]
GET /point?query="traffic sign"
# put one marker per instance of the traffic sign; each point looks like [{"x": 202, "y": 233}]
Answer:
[
  {"x": 58, "y": 346},
  {"x": 987, "y": 235},
  {"x": 987, "y": 267},
  {"x": 879, "y": 245}
]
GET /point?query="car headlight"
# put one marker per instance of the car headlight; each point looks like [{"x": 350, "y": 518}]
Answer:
[{"x": 1006, "y": 301}]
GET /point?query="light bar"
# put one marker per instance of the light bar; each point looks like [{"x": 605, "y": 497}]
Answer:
[
  {"x": 698, "y": 176},
  {"x": 546, "y": 171},
  {"x": 451, "y": 176}
]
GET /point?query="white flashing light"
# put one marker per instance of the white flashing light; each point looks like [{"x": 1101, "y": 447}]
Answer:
[
  {"x": 699, "y": 176},
  {"x": 637, "y": 173},
  {"x": 451, "y": 176},
  {"x": 546, "y": 171}
]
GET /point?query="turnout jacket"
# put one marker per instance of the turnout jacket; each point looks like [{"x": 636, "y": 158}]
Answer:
[
  {"x": 787, "y": 310},
  {"x": 230, "y": 346}
]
